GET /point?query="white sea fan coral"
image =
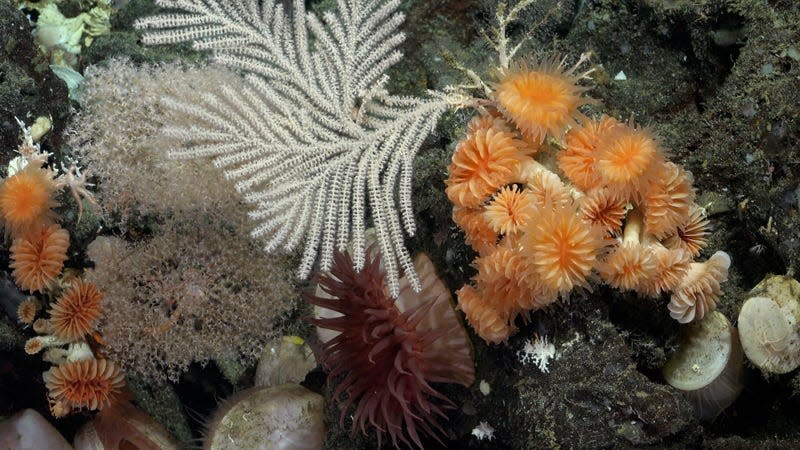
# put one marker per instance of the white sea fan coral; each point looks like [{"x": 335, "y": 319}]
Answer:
[{"x": 312, "y": 139}]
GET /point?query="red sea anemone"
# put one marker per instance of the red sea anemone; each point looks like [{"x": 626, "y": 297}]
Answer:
[{"x": 385, "y": 359}]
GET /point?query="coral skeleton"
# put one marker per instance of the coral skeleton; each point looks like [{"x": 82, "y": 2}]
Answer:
[
  {"x": 538, "y": 351},
  {"x": 483, "y": 431}
]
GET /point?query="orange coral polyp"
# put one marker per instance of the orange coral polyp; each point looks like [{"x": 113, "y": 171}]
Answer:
[
  {"x": 26, "y": 199},
  {"x": 625, "y": 154},
  {"x": 509, "y": 211},
  {"x": 487, "y": 121},
  {"x": 602, "y": 208},
  {"x": 579, "y": 157},
  {"x": 668, "y": 199},
  {"x": 37, "y": 258},
  {"x": 562, "y": 248},
  {"x": 628, "y": 267},
  {"x": 487, "y": 321},
  {"x": 541, "y": 100},
  {"x": 699, "y": 290},
  {"x": 671, "y": 267},
  {"x": 76, "y": 312},
  {"x": 479, "y": 235},
  {"x": 482, "y": 163},
  {"x": 547, "y": 190},
  {"x": 691, "y": 235},
  {"x": 497, "y": 278},
  {"x": 88, "y": 383}
]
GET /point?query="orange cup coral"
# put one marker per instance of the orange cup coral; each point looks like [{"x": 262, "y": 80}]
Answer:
[
  {"x": 38, "y": 256},
  {"x": 624, "y": 154},
  {"x": 482, "y": 163},
  {"x": 540, "y": 98},
  {"x": 76, "y": 312},
  {"x": 89, "y": 383},
  {"x": 617, "y": 212},
  {"x": 699, "y": 290},
  {"x": 562, "y": 247},
  {"x": 26, "y": 199}
]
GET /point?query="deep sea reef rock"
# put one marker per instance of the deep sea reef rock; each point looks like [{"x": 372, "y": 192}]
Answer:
[
  {"x": 27, "y": 85},
  {"x": 594, "y": 397},
  {"x": 28, "y": 429}
]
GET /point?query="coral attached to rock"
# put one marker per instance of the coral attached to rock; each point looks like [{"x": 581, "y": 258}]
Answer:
[{"x": 620, "y": 213}]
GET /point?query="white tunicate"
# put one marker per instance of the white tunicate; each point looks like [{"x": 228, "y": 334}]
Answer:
[
  {"x": 286, "y": 360},
  {"x": 769, "y": 325},
  {"x": 285, "y": 417}
]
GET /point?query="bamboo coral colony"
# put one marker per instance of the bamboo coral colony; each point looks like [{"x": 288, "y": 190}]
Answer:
[{"x": 610, "y": 205}]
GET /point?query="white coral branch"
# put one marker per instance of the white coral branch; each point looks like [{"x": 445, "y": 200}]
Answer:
[{"x": 311, "y": 137}]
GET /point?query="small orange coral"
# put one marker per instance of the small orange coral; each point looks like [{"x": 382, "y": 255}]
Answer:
[
  {"x": 699, "y": 290},
  {"x": 542, "y": 98},
  {"x": 37, "y": 258},
  {"x": 547, "y": 190},
  {"x": 26, "y": 198},
  {"x": 668, "y": 199},
  {"x": 498, "y": 281},
  {"x": 27, "y": 309},
  {"x": 624, "y": 156},
  {"x": 630, "y": 264},
  {"x": 33, "y": 346},
  {"x": 76, "y": 311},
  {"x": 476, "y": 228},
  {"x": 671, "y": 267},
  {"x": 482, "y": 163},
  {"x": 487, "y": 121},
  {"x": 578, "y": 158},
  {"x": 487, "y": 322},
  {"x": 88, "y": 383},
  {"x": 628, "y": 267},
  {"x": 562, "y": 248},
  {"x": 42, "y": 326},
  {"x": 691, "y": 235},
  {"x": 602, "y": 208},
  {"x": 509, "y": 211}
]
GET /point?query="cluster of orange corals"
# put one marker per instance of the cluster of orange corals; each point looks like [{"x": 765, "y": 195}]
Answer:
[
  {"x": 78, "y": 378},
  {"x": 552, "y": 201},
  {"x": 27, "y": 198},
  {"x": 68, "y": 339}
]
